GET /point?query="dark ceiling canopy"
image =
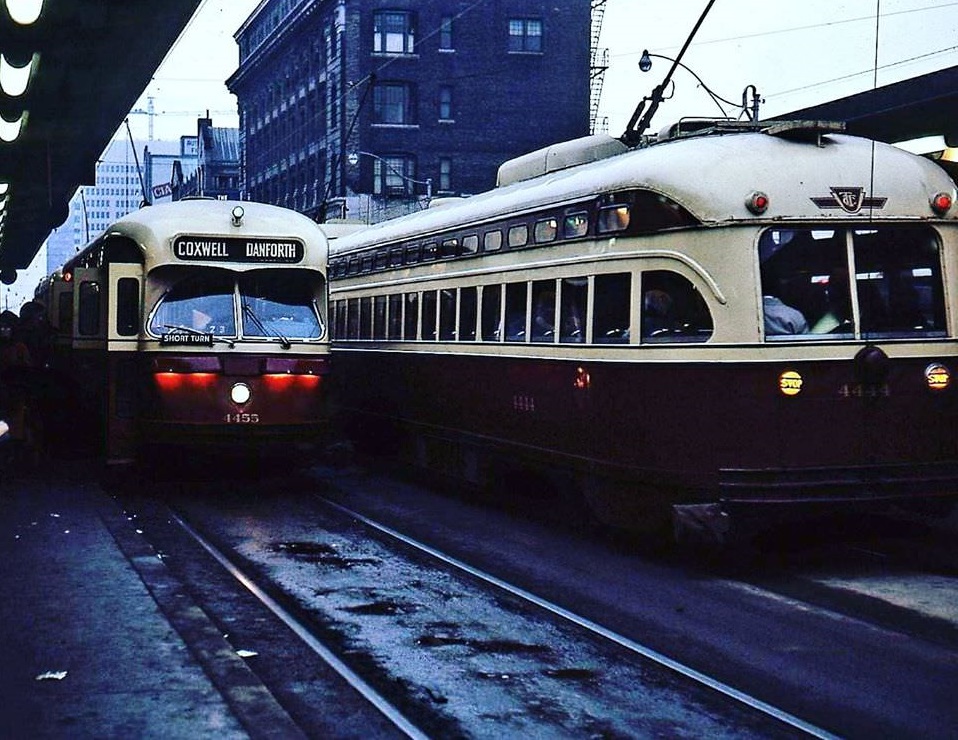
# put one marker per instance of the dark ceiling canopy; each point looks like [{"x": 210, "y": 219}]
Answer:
[
  {"x": 92, "y": 59},
  {"x": 910, "y": 109}
]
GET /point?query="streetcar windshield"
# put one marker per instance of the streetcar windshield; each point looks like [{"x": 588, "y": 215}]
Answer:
[
  {"x": 254, "y": 305},
  {"x": 203, "y": 304},
  {"x": 896, "y": 289},
  {"x": 279, "y": 304}
]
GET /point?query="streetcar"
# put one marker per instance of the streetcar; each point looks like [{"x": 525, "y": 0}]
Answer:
[
  {"x": 733, "y": 324},
  {"x": 197, "y": 324}
]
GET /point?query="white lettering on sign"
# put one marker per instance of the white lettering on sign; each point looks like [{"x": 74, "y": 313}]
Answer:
[
  {"x": 273, "y": 250},
  {"x": 201, "y": 249}
]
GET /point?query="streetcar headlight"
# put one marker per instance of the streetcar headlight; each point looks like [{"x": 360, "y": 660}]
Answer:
[
  {"x": 237, "y": 215},
  {"x": 240, "y": 393}
]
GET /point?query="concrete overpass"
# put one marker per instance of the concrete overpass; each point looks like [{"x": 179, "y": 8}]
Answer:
[{"x": 89, "y": 61}]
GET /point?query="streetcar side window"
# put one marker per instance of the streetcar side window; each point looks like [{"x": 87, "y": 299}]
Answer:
[
  {"x": 612, "y": 308},
  {"x": 518, "y": 236},
  {"x": 449, "y": 248},
  {"x": 575, "y": 225},
  {"x": 352, "y": 319},
  {"x": 672, "y": 309},
  {"x": 492, "y": 241},
  {"x": 89, "y": 310},
  {"x": 127, "y": 306},
  {"x": 468, "y": 303},
  {"x": 411, "y": 317},
  {"x": 546, "y": 230},
  {"x": 365, "y": 318},
  {"x": 379, "y": 317},
  {"x": 340, "y": 318},
  {"x": 516, "y": 312},
  {"x": 65, "y": 312},
  {"x": 470, "y": 244},
  {"x": 543, "y": 310},
  {"x": 612, "y": 219},
  {"x": 395, "y": 316},
  {"x": 428, "y": 325},
  {"x": 572, "y": 309},
  {"x": 491, "y": 313},
  {"x": 447, "y": 314}
]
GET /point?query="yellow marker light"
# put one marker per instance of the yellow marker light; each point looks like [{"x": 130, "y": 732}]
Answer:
[
  {"x": 790, "y": 383},
  {"x": 937, "y": 376}
]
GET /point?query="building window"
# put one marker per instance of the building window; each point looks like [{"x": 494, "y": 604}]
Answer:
[
  {"x": 393, "y": 103},
  {"x": 394, "y": 175},
  {"x": 445, "y": 174},
  {"x": 525, "y": 34},
  {"x": 445, "y": 103},
  {"x": 445, "y": 33},
  {"x": 393, "y": 32}
]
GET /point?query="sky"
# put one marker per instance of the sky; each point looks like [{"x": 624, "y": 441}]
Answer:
[{"x": 795, "y": 54}]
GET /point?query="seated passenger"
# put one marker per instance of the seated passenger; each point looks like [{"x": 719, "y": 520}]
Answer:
[
  {"x": 656, "y": 313},
  {"x": 780, "y": 318},
  {"x": 543, "y": 318}
]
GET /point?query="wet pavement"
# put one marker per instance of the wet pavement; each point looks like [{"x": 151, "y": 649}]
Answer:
[{"x": 87, "y": 649}]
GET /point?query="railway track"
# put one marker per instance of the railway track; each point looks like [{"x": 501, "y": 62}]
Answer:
[{"x": 430, "y": 644}]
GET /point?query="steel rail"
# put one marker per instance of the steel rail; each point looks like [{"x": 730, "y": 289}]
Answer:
[
  {"x": 593, "y": 627},
  {"x": 351, "y": 677}
]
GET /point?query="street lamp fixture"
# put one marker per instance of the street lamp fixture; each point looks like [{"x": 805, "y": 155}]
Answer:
[
  {"x": 645, "y": 64},
  {"x": 353, "y": 159}
]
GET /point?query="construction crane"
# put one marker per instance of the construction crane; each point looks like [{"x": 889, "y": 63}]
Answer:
[
  {"x": 598, "y": 64},
  {"x": 152, "y": 113}
]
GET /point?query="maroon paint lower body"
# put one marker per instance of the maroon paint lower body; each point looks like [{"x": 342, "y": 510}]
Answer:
[{"x": 632, "y": 434}]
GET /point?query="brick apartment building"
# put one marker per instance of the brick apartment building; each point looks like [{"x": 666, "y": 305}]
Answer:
[{"x": 367, "y": 108}]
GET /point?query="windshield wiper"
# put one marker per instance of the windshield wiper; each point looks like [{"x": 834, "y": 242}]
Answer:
[
  {"x": 283, "y": 341},
  {"x": 197, "y": 333}
]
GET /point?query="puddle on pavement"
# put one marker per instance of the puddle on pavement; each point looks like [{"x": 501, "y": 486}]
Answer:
[{"x": 322, "y": 554}]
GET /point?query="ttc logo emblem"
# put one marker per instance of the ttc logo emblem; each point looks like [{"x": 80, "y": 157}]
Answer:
[{"x": 849, "y": 199}]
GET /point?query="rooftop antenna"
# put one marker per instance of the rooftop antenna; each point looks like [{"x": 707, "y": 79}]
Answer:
[{"x": 636, "y": 128}]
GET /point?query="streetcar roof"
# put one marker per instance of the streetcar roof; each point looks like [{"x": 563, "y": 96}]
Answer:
[
  {"x": 712, "y": 176},
  {"x": 155, "y": 227}
]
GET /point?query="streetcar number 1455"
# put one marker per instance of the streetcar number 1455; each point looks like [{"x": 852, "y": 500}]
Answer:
[{"x": 242, "y": 418}]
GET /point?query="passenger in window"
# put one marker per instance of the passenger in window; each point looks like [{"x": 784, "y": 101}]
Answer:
[
  {"x": 780, "y": 318},
  {"x": 543, "y": 316},
  {"x": 572, "y": 319},
  {"x": 656, "y": 313},
  {"x": 837, "y": 316}
]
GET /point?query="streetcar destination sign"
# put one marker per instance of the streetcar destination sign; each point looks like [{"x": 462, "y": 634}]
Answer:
[{"x": 234, "y": 249}]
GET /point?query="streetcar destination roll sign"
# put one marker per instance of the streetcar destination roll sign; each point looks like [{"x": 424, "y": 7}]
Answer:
[{"x": 238, "y": 249}]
